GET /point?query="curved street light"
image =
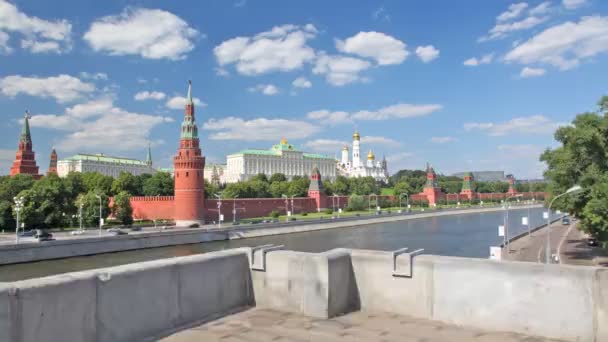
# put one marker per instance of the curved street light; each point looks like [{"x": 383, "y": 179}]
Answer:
[
  {"x": 18, "y": 207},
  {"x": 574, "y": 189}
]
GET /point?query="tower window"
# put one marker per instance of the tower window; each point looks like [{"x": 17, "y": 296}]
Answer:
[{"x": 187, "y": 173}]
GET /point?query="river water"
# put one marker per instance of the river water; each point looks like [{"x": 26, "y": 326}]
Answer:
[{"x": 467, "y": 235}]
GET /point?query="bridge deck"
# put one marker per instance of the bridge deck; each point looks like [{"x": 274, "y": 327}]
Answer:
[{"x": 270, "y": 325}]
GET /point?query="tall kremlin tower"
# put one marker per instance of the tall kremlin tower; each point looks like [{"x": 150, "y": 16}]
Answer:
[
  {"x": 189, "y": 164},
  {"x": 25, "y": 161},
  {"x": 52, "y": 163}
]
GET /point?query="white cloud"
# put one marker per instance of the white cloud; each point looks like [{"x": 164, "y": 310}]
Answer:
[
  {"x": 222, "y": 72},
  {"x": 542, "y": 8},
  {"x": 266, "y": 89},
  {"x": 383, "y": 141},
  {"x": 94, "y": 76},
  {"x": 149, "y": 95},
  {"x": 398, "y": 111},
  {"x": 150, "y": 33},
  {"x": 399, "y": 157},
  {"x": 328, "y": 117},
  {"x": 427, "y": 53},
  {"x": 521, "y": 150},
  {"x": 301, "y": 82},
  {"x": 536, "y": 124},
  {"x": 573, "y": 4},
  {"x": 501, "y": 30},
  {"x": 6, "y": 160},
  {"x": 261, "y": 129},
  {"x": 381, "y": 14},
  {"x": 97, "y": 125},
  {"x": 443, "y": 140},
  {"x": 531, "y": 72},
  {"x": 485, "y": 59},
  {"x": 565, "y": 45},
  {"x": 284, "y": 48},
  {"x": 325, "y": 145},
  {"x": 179, "y": 102},
  {"x": 514, "y": 11},
  {"x": 40, "y": 36},
  {"x": 64, "y": 88},
  {"x": 340, "y": 70},
  {"x": 384, "y": 49},
  {"x": 4, "y": 47}
]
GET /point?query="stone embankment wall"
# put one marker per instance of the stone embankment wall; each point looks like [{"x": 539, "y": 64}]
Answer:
[{"x": 148, "y": 300}]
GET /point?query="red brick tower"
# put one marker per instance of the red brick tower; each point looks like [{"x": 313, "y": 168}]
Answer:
[
  {"x": 432, "y": 191},
  {"x": 52, "y": 163},
  {"x": 315, "y": 189},
  {"x": 189, "y": 164},
  {"x": 511, "y": 190},
  {"x": 25, "y": 161},
  {"x": 467, "y": 186}
]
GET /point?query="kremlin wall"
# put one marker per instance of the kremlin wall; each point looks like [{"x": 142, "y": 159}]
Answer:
[{"x": 189, "y": 207}]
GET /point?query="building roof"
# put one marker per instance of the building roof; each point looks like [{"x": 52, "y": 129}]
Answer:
[
  {"x": 100, "y": 157},
  {"x": 277, "y": 149}
]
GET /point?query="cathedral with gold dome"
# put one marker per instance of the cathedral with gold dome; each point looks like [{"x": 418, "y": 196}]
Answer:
[{"x": 355, "y": 167}]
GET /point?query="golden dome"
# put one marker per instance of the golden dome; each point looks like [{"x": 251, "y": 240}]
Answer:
[
  {"x": 356, "y": 135},
  {"x": 370, "y": 155},
  {"x": 284, "y": 141},
  {"x": 344, "y": 148}
]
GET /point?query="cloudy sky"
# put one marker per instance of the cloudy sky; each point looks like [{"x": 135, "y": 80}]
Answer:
[{"x": 465, "y": 85}]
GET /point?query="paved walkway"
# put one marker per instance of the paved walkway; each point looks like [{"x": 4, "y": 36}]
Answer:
[
  {"x": 566, "y": 241},
  {"x": 269, "y": 325}
]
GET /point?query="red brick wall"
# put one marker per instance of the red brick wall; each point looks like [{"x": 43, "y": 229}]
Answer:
[
  {"x": 153, "y": 208},
  {"x": 256, "y": 207}
]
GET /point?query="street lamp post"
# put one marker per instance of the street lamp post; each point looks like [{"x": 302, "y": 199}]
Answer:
[
  {"x": 574, "y": 189},
  {"x": 369, "y": 206},
  {"x": 234, "y": 208},
  {"x": 219, "y": 210},
  {"x": 80, "y": 216},
  {"x": 18, "y": 207},
  {"x": 100, "y": 219},
  {"x": 507, "y": 207},
  {"x": 286, "y": 207}
]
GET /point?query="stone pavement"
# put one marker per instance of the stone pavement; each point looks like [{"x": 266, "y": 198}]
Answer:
[
  {"x": 575, "y": 251},
  {"x": 532, "y": 248},
  {"x": 270, "y": 325}
]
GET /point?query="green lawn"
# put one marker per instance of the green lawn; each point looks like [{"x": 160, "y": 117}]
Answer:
[{"x": 387, "y": 192}]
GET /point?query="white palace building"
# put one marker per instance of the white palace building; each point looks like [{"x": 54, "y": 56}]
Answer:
[
  {"x": 357, "y": 168},
  {"x": 281, "y": 158}
]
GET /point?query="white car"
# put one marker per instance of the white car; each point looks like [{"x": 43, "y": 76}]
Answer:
[{"x": 77, "y": 232}]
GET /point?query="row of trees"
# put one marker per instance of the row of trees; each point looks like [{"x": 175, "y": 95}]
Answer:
[
  {"x": 56, "y": 202},
  {"x": 582, "y": 159}
]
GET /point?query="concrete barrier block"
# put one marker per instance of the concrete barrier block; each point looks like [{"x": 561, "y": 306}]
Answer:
[
  {"x": 601, "y": 305},
  {"x": 380, "y": 291},
  {"x": 6, "y": 321},
  {"x": 138, "y": 300},
  {"x": 213, "y": 284},
  {"x": 553, "y": 301},
  {"x": 59, "y": 308},
  {"x": 313, "y": 280},
  {"x": 342, "y": 292}
]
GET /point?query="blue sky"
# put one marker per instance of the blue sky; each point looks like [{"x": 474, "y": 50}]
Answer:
[{"x": 465, "y": 85}]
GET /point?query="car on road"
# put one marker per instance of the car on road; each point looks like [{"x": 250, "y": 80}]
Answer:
[
  {"x": 77, "y": 232},
  {"x": 116, "y": 232},
  {"x": 26, "y": 233},
  {"x": 565, "y": 220},
  {"x": 592, "y": 241},
  {"x": 42, "y": 235},
  {"x": 136, "y": 229}
]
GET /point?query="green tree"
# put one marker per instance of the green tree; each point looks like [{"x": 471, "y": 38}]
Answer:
[
  {"x": 47, "y": 203},
  {"x": 90, "y": 207},
  {"x": 260, "y": 177},
  {"x": 211, "y": 189},
  {"x": 299, "y": 187},
  {"x": 341, "y": 186},
  {"x": 9, "y": 188},
  {"x": 278, "y": 188},
  {"x": 357, "y": 202},
  {"x": 402, "y": 187},
  {"x": 277, "y": 177},
  {"x": 159, "y": 184},
  {"x": 125, "y": 182},
  {"x": 363, "y": 186},
  {"x": 121, "y": 208},
  {"x": 95, "y": 181}
]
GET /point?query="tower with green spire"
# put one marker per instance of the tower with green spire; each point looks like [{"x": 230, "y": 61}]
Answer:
[
  {"x": 149, "y": 156},
  {"x": 467, "y": 186},
  {"x": 25, "y": 159}
]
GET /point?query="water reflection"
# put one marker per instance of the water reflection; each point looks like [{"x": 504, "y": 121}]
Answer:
[{"x": 468, "y": 235}]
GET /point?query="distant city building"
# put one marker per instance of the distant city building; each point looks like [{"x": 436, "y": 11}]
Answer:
[
  {"x": 484, "y": 176},
  {"x": 106, "y": 165},
  {"x": 281, "y": 158},
  {"x": 25, "y": 160},
  {"x": 356, "y": 168}
]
